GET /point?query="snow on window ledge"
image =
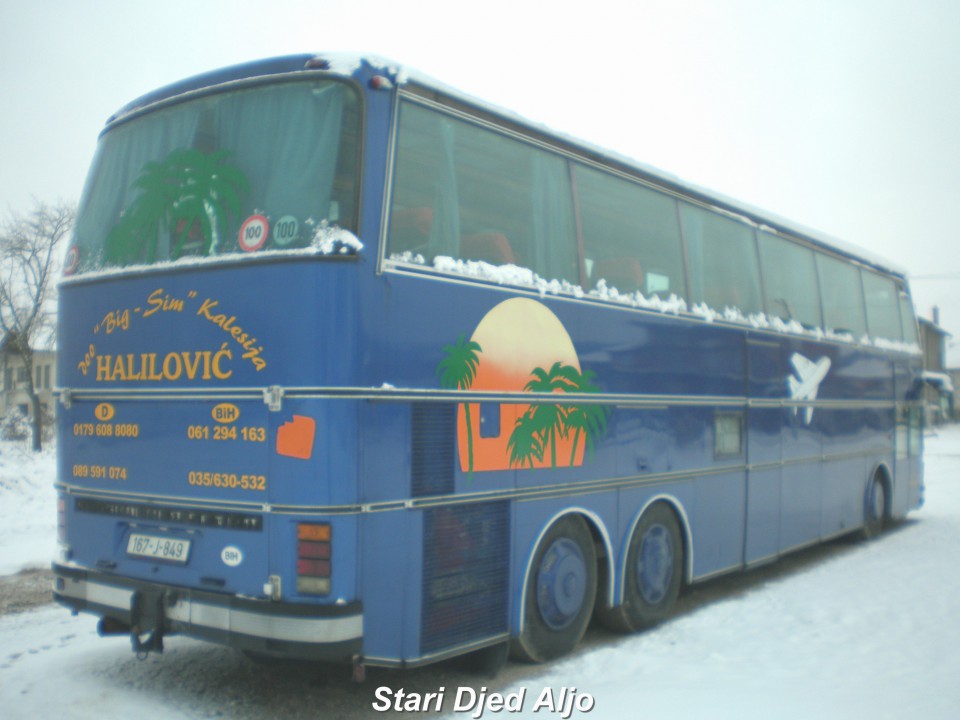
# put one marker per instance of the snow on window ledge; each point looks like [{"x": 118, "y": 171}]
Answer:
[
  {"x": 327, "y": 240},
  {"x": 334, "y": 240},
  {"x": 526, "y": 278}
]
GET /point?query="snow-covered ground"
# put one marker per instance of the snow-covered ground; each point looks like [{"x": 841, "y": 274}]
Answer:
[
  {"x": 28, "y": 507},
  {"x": 871, "y": 631}
]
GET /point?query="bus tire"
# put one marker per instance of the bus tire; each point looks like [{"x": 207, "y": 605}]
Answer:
[
  {"x": 875, "y": 509},
  {"x": 654, "y": 571},
  {"x": 560, "y": 592}
]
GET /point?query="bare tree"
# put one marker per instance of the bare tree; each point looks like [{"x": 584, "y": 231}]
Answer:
[{"x": 30, "y": 253}]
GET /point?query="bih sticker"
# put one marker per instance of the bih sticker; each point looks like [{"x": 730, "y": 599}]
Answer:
[
  {"x": 253, "y": 233},
  {"x": 285, "y": 230},
  {"x": 231, "y": 555}
]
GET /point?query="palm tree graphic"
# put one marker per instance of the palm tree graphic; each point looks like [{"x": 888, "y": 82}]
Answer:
[
  {"x": 588, "y": 420},
  {"x": 544, "y": 424},
  {"x": 526, "y": 442},
  {"x": 457, "y": 372},
  {"x": 186, "y": 188},
  {"x": 547, "y": 421}
]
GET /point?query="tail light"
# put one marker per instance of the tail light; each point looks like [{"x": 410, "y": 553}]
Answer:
[{"x": 313, "y": 558}]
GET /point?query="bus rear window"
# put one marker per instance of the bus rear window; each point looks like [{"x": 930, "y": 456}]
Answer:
[{"x": 226, "y": 173}]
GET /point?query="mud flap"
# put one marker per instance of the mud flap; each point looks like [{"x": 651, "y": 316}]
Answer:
[{"x": 147, "y": 622}]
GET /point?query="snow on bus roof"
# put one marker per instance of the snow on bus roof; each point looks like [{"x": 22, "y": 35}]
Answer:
[
  {"x": 349, "y": 64},
  {"x": 745, "y": 211}
]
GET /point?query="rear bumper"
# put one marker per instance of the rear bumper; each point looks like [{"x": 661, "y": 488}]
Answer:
[{"x": 311, "y": 632}]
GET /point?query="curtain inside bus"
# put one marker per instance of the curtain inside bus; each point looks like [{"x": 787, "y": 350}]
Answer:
[{"x": 467, "y": 192}]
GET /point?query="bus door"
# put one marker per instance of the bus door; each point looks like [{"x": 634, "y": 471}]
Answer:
[
  {"x": 764, "y": 426},
  {"x": 908, "y": 466}
]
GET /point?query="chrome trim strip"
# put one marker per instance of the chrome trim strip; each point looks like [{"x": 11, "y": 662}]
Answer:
[
  {"x": 102, "y": 594},
  {"x": 245, "y": 622},
  {"x": 835, "y": 457},
  {"x": 538, "y": 492},
  {"x": 385, "y": 209},
  {"x": 625, "y": 400}
]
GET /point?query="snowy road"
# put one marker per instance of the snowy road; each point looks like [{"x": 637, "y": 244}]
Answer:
[{"x": 847, "y": 630}]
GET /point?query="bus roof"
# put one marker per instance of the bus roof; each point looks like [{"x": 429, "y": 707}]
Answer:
[{"x": 353, "y": 64}]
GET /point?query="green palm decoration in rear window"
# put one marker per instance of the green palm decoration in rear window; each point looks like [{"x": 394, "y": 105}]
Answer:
[{"x": 184, "y": 200}]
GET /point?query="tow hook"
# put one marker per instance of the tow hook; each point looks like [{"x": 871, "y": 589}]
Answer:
[
  {"x": 147, "y": 623},
  {"x": 153, "y": 642}
]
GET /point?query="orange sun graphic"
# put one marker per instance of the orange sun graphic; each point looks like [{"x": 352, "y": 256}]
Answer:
[{"x": 515, "y": 337}]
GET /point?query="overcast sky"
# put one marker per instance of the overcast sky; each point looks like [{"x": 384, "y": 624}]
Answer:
[{"x": 843, "y": 115}]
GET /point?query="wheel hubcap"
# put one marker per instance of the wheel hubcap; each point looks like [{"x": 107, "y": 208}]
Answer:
[
  {"x": 654, "y": 566},
  {"x": 561, "y": 583}
]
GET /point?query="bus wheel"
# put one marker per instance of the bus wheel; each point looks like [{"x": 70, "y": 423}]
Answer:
[
  {"x": 560, "y": 591},
  {"x": 654, "y": 570},
  {"x": 875, "y": 511}
]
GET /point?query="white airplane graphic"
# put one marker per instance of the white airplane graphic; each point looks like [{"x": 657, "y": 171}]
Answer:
[{"x": 806, "y": 383}]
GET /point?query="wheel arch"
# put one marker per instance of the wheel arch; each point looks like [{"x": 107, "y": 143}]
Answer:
[
  {"x": 882, "y": 471},
  {"x": 605, "y": 555},
  {"x": 686, "y": 534}
]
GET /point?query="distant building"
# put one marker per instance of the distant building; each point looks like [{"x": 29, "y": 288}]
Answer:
[
  {"x": 13, "y": 393},
  {"x": 938, "y": 387},
  {"x": 954, "y": 374}
]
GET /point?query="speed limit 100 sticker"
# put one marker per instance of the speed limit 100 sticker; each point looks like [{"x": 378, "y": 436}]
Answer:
[
  {"x": 253, "y": 233},
  {"x": 285, "y": 230}
]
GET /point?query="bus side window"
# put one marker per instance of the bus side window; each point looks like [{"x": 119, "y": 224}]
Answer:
[
  {"x": 410, "y": 228},
  {"x": 623, "y": 273},
  {"x": 424, "y": 218},
  {"x": 883, "y": 306},
  {"x": 907, "y": 319},
  {"x": 790, "y": 280},
  {"x": 629, "y": 229},
  {"x": 469, "y": 192},
  {"x": 724, "y": 268},
  {"x": 841, "y": 296},
  {"x": 491, "y": 247},
  {"x": 515, "y": 204}
]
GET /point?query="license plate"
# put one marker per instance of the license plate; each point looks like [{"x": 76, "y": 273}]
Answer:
[{"x": 158, "y": 548}]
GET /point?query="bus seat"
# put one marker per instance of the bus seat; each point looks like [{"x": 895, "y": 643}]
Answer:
[
  {"x": 492, "y": 247},
  {"x": 410, "y": 227},
  {"x": 623, "y": 273},
  {"x": 722, "y": 296}
]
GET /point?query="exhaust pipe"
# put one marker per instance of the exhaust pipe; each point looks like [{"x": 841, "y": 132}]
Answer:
[{"x": 110, "y": 626}]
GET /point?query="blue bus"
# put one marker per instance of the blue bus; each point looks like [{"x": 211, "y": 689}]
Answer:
[{"x": 355, "y": 367}]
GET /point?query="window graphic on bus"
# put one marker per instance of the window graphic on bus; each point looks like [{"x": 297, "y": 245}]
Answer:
[
  {"x": 520, "y": 346},
  {"x": 184, "y": 200}
]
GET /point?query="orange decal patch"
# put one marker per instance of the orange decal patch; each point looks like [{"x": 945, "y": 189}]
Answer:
[{"x": 295, "y": 438}]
